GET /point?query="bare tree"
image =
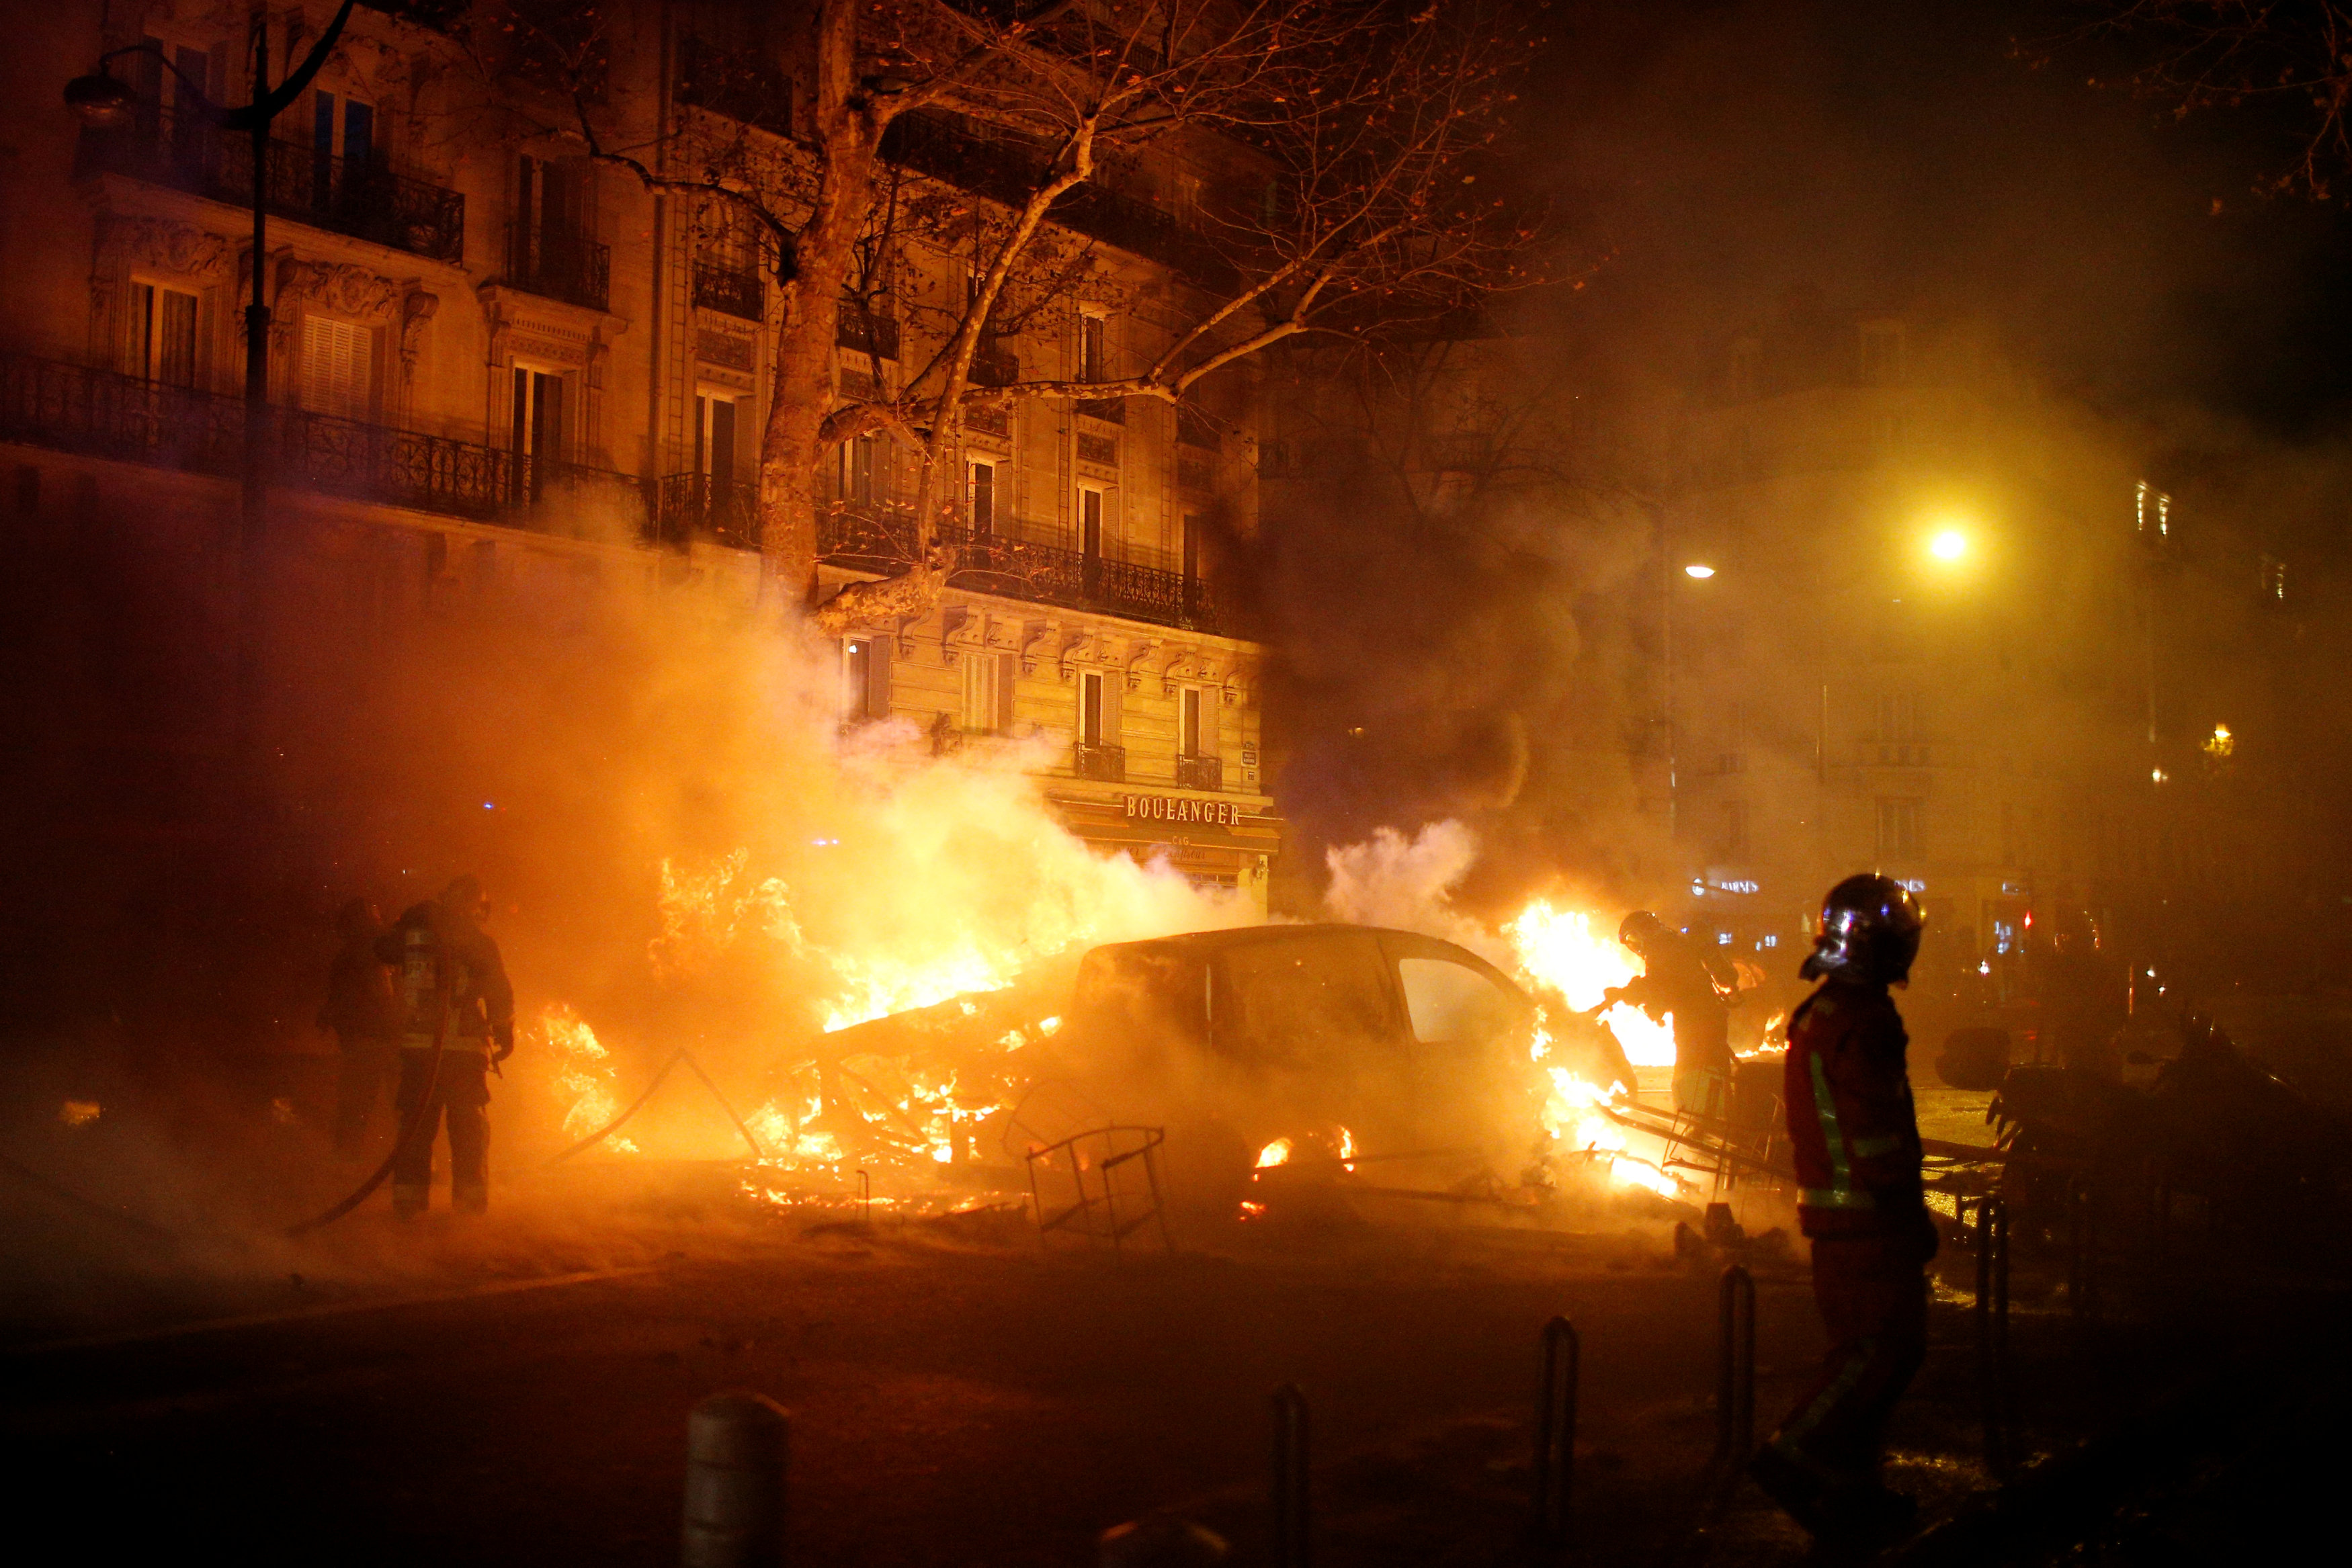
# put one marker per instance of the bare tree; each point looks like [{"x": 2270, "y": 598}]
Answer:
[
  {"x": 2293, "y": 60},
  {"x": 971, "y": 128}
]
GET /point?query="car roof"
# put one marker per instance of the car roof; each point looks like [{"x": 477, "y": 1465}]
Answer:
[{"x": 1206, "y": 942}]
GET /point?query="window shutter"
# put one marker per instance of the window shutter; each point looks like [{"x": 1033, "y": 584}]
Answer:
[
  {"x": 1213, "y": 713},
  {"x": 878, "y": 677},
  {"x": 336, "y": 366},
  {"x": 1114, "y": 687}
]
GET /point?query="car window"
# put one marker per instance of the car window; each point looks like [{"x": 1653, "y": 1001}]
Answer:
[
  {"x": 1449, "y": 1001},
  {"x": 1303, "y": 999}
]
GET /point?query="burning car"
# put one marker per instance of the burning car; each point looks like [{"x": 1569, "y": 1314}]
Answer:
[{"x": 1398, "y": 1063}]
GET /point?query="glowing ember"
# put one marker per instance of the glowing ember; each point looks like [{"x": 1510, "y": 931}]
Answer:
[
  {"x": 1347, "y": 1150},
  {"x": 79, "y": 1113},
  {"x": 1273, "y": 1153}
]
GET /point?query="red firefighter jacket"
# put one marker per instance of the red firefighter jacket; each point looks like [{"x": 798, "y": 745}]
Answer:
[{"x": 1851, "y": 1124}]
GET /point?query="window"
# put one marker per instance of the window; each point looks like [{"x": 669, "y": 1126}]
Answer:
[
  {"x": 1902, "y": 736},
  {"x": 536, "y": 418},
  {"x": 981, "y": 498},
  {"x": 1191, "y": 547},
  {"x": 338, "y": 367},
  {"x": 1188, "y": 722},
  {"x": 714, "y": 435},
  {"x": 1099, "y": 704},
  {"x": 1449, "y": 1001},
  {"x": 1898, "y": 828},
  {"x": 1090, "y": 524},
  {"x": 342, "y": 127},
  {"x": 865, "y": 679},
  {"x": 988, "y": 685},
  {"x": 163, "y": 333},
  {"x": 857, "y": 477},
  {"x": 1302, "y": 1000},
  {"x": 1091, "y": 355}
]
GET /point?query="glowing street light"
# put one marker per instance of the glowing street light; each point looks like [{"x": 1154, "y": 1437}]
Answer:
[
  {"x": 1698, "y": 569},
  {"x": 1949, "y": 545}
]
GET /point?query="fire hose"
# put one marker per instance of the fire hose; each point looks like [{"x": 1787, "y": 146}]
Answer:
[{"x": 426, "y": 1107}]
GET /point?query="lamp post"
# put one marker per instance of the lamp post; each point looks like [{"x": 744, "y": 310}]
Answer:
[
  {"x": 1698, "y": 571},
  {"x": 101, "y": 100}
]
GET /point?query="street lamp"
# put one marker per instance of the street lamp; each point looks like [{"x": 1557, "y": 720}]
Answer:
[
  {"x": 1698, "y": 571},
  {"x": 1949, "y": 545},
  {"x": 101, "y": 100}
]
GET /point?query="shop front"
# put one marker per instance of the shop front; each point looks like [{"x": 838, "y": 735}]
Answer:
[{"x": 1216, "y": 840}]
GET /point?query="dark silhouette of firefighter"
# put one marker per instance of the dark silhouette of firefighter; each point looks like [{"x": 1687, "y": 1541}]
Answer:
[
  {"x": 2081, "y": 994},
  {"x": 1855, "y": 1140},
  {"x": 360, "y": 1009},
  {"x": 453, "y": 993},
  {"x": 1695, "y": 985}
]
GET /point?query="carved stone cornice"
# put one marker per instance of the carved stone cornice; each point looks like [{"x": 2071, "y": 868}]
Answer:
[{"x": 166, "y": 245}]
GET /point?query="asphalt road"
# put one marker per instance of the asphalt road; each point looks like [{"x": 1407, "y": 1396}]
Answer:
[{"x": 958, "y": 1396}]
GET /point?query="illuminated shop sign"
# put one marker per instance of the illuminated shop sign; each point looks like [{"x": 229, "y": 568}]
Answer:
[
  {"x": 1176, "y": 809},
  {"x": 1701, "y": 887},
  {"x": 1910, "y": 885}
]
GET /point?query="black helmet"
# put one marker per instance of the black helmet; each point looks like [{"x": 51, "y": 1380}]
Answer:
[
  {"x": 1640, "y": 930},
  {"x": 1870, "y": 932}
]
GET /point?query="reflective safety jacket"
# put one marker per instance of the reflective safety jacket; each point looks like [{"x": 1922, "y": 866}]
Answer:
[
  {"x": 440, "y": 957},
  {"x": 1851, "y": 1124}
]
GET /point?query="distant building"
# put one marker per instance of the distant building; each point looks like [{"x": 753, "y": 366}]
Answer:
[{"x": 1946, "y": 636}]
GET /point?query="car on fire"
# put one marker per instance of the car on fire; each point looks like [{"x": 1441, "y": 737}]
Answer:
[{"x": 1289, "y": 1060}]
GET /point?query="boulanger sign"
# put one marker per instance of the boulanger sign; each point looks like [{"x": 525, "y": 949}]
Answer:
[{"x": 1176, "y": 809}]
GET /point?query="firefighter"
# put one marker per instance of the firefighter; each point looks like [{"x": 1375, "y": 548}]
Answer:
[
  {"x": 452, "y": 986},
  {"x": 360, "y": 1009},
  {"x": 1856, "y": 1146},
  {"x": 1688, "y": 980}
]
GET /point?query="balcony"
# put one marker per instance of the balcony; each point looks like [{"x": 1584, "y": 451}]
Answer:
[
  {"x": 702, "y": 505},
  {"x": 882, "y": 540},
  {"x": 993, "y": 366},
  {"x": 1103, "y": 764},
  {"x": 1200, "y": 773},
  {"x": 557, "y": 266},
  {"x": 1006, "y": 169},
  {"x": 730, "y": 290},
  {"x": 363, "y": 199},
  {"x": 863, "y": 332},
  {"x": 1109, "y": 410},
  {"x": 73, "y": 409}
]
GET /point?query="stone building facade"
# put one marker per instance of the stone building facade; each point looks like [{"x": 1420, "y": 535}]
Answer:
[{"x": 486, "y": 348}]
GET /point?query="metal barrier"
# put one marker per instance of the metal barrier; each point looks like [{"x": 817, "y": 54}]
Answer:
[
  {"x": 1992, "y": 1330},
  {"x": 1292, "y": 1513},
  {"x": 1735, "y": 1389},
  {"x": 1563, "y": 1355},
  {"x": 1114, "y": 1205}
]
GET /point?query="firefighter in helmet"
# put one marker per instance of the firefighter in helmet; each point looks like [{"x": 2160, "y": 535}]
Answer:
[
  {"x": 1855, "y": 1140},
  {"x": 1689, "y": 981},
  {"x": 453, "y": 991}
]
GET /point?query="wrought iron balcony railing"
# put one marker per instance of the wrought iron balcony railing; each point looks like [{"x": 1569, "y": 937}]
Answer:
[
  {"x": 1006, "y": 169},
  {"x": 1200, "y": 773},
  {"x": 71, "y": 408},
  {"x": 994, "y": 366},
  {"x": 730, "y": 290},
  {"x": 1109, "y": 410},
  {"x": 1103, "y": 764},
  {"x": 361, "y": 197},
  {"x": 866, "y": 331},
  {"x": 567, "y": 267},
  {"x": 701, "y": 506},
  {"x": 882, "y": 540}
]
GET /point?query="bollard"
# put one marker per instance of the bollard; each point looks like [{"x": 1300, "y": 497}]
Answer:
[
  {"x": 1556, "y": 1434},
  {"x": 1291, "y": 1513},
  {"x": 1735, "y": 1390},
  {"x": 737, "y": 1451},
  {"x": 1992, "y": 1328},
  {"x": 864, "y": 1197}
]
